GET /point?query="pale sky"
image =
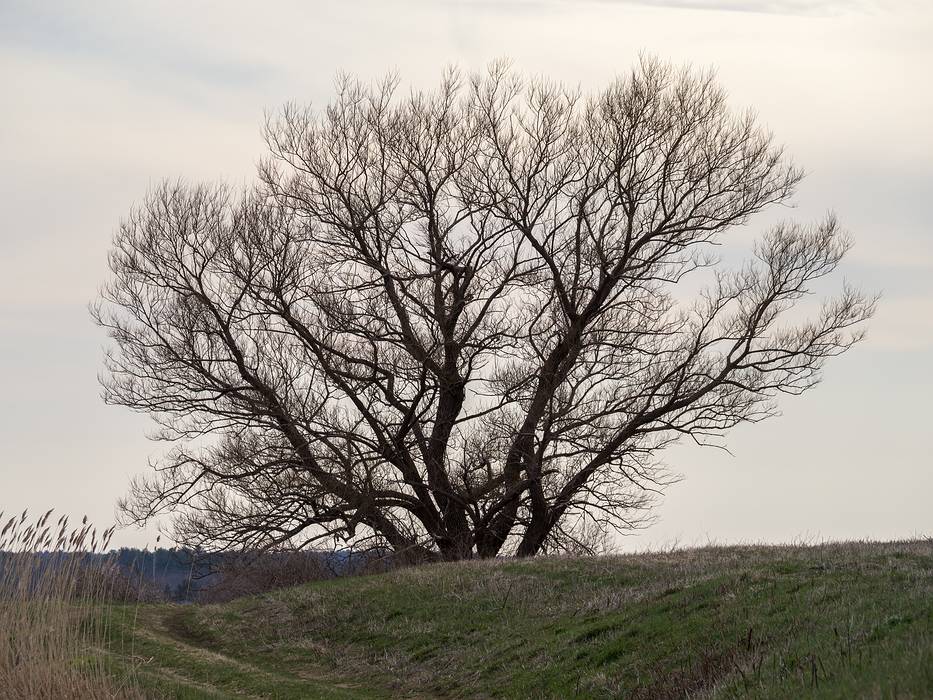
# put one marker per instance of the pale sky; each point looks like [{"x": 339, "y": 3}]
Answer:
[{"x": 103, "y": 99}]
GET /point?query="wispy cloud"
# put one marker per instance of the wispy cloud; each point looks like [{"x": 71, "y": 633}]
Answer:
[
  {"x": 121, "y": 41},
  {"x": 783, "y": 7}
]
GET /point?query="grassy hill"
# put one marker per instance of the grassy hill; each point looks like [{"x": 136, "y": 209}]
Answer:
[{"x": 829, "y": 621}]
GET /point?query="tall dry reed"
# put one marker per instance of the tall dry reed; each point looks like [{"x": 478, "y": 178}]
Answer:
[{"x": 57, "y": 592}]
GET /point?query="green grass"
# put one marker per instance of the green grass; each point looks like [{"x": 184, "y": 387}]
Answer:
[{"x": 831, "y": 621}]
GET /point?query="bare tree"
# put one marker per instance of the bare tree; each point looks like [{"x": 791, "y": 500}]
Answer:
[{"x": 447, "y": 322}]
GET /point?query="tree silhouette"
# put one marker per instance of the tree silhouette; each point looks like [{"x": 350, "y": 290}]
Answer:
[{"x": 449, "y": 324}]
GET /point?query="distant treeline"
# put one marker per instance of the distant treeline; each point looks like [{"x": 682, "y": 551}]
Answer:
[{"x": 188, "y": 575}]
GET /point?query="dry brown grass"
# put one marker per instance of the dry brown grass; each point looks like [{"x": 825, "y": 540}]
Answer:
[{"x": 55, "y": 590}]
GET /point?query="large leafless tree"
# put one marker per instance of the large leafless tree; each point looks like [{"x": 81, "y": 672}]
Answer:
[{"x": 453, "y": 323}]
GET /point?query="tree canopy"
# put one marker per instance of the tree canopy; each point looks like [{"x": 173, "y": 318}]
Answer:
[{"x": 453, "y": 322}]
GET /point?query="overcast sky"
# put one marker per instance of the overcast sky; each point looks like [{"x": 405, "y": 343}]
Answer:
[{"x": 103, "y": 99}]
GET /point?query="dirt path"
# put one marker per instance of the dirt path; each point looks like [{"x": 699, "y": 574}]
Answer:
[{"x": 179, "y": 664}]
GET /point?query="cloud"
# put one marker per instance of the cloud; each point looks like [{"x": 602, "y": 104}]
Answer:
[
  {"x": 125, "y": 42},
  {"x": 783, "y": 7}
]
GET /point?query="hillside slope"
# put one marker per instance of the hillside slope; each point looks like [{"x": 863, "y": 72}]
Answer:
[{"x": 828, "y": 621}]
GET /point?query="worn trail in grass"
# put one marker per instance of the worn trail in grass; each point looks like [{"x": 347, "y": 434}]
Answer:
[
  {"x": 174, "y": 661},
  {"x": 830, "y": 621}
]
